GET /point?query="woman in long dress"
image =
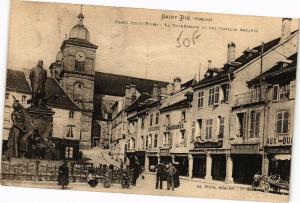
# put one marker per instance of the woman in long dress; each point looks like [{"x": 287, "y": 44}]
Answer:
[
  {"x": 63, "y": 175},
  {"x": 108, "y": 177}
]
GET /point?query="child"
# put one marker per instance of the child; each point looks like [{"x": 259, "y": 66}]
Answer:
[{"x": 90, "y": 180}]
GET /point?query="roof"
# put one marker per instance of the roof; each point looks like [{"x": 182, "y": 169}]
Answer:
[
  {"x": 180, "y": 104},
  {"x": 114, "y": 85},
  {"x": 57, "y": 96},
  {"x": 240, "y": 62},
  {"x": 16, "y": 81},
  {"x": 276, "y": 71},
  {"x": 80, "y": 42}
]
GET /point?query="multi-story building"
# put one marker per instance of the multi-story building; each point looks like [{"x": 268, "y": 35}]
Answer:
[
  {"x": 277, "y": 93},
  {"x": 231, "y": 115}
]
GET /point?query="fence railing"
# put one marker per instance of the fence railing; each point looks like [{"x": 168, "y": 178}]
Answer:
[
  {"x": 250, "y": 97},
  {"x": 35, "y": 171}
]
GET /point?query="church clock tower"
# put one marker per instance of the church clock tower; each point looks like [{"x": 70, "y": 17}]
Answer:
[{"x": 78, "y": 74}]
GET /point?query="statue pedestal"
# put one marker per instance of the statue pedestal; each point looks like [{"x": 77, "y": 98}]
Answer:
[{"x": 42, "y": 119}]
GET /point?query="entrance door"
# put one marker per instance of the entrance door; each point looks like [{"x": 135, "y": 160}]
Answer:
[
  {"x": 183, "y": 165},
  {"x": 199, "y": 166},
  {"x": 245, "y": 166},
  {"x": 218, "y": 166}
]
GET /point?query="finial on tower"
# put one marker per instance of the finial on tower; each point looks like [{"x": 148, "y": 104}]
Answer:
[{"x": 80, "y": 16}]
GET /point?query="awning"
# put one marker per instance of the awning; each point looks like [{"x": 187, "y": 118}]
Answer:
[{"x": 282, "y": 157}]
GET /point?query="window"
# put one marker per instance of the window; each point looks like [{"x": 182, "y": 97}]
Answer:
[
  {"x": 200, "y": 99},
  {"x": 69, "y": 153},
  {"x": 71, "y": 114},
  {"x": 182, "y": 137},
  {"x": 221, "y": 127},
  {"x": 142, "y": 142},
  {"x": 147, "y": 141},
  {"x": 156, "y": 118},
  {"x": 275, "y": 92},
  {"x": 183, "y": 116},
  {"x": 211, "y": 97},
  {"x": 242, "y": 124},
  {"x": 254, "y": 123},
  {"x": 6, "y": 95},
  {"x": 217, "y": 94},
  {"x": 225, "y": 89},
  {"x": 70, "y": 131},
  {"x": 79, "y": 66},
  {"x": 23, "y": 99},
  {"x": 282, "y": 122},
  {"x": 166, "y": 139},
  {"x": 209, "y": 123},
  {"x": 193, "y": 131},
  {"x": 78, "y": 91},
  {"x": 155, "y": 140},
  {"x": 151, "y": 119},
  {"x": 284, "y": 92},
  {"x": 143, "y": 122},
  {"x": 199, "y": 121},
  {"x": 168, "y": 120}
]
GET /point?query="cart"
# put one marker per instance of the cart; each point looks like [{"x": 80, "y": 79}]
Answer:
[{"x": 269, "y": 183}]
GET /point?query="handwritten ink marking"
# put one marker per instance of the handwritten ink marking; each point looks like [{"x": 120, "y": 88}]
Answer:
[{"x": 186, "y": 42}]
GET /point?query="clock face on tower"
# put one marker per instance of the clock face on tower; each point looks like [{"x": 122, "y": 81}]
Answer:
[{"x": 80, "y": 56}]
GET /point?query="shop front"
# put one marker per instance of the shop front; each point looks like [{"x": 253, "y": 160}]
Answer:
[
  {"x": 279, "y": 161},
  {"x": 182, "y": 163},
  {"x": 247, "y": 161}
]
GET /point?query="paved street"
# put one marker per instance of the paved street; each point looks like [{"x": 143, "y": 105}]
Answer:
[{"x": 188, "y": 188}]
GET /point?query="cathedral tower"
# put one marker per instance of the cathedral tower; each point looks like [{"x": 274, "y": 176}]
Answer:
[{"x": 78, "y": 74}]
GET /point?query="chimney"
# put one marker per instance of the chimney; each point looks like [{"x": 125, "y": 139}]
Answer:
[
  {"x": 209, "y": 64},
  {"x": 177, "y": 84},
  {"x": 155, "y": 91},
  {"x": 132, "y": 92},
  {"x": 127, "y": 92},
  {"x": 169, "y": 88},
  {"x": 285, "y": 28},
  {"x": 230, "y": 52}
]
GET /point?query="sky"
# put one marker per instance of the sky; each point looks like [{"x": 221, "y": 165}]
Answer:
[{"x": 37, "y": 31}]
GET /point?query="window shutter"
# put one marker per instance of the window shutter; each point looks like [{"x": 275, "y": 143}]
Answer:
[
  {"x": 292, "y": 89},
  {"x": 232, "y": 126}
]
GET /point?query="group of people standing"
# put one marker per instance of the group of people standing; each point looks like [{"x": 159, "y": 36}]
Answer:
[
  {"x": 166, "y": 172},
  {"x": 127, "y": 174}
]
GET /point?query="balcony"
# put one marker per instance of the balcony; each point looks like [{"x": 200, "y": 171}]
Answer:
[{"x": 251, "y": 97}]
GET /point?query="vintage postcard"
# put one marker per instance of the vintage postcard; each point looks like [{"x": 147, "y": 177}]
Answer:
[{"x": 149, "y": 102}]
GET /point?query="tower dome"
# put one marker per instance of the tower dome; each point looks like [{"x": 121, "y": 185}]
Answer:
[{"x": 79, "y": 31}]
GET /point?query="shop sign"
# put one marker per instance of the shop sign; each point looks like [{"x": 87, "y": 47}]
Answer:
[
  {"x": 164, "y": 152},
  {"x": 208, "y": 144},
  {"x": 153, "y": 128},
  {"x": 174, "y": 127},
  {"x": 245, "y": 149},
  {"x": 279, "y": 141}
]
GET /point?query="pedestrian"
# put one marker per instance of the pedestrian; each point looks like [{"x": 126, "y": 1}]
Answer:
[
  {"x": 63, "y": 175},
  {"x": 136, "y": 170},
  {"x": 108, "y": 176},
  {"x": 171, "y": 170},
  {"x": 125, "y": 178},
  {"x": 90, "y": 179},
  {"x": 160, "y": 173},
  {"x": 176, "y": 176}
]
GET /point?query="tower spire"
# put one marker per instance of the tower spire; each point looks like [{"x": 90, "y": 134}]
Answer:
[{"x": 80, "y": 16}]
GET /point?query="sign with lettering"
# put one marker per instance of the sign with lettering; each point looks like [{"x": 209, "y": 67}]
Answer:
[
  {"x": 174, "y": 127},
  {"x": 245, "y": 149},
  {"x": 164, "y": 152},
  {"x": 208, "y": 144},
  {"x": 154, "y": 128},
  {"x": 279, "y": 141}
]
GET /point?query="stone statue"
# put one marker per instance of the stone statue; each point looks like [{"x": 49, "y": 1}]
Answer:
[
  {"x": 38, "y": 77},
  {"x": 17, "y": 145}
]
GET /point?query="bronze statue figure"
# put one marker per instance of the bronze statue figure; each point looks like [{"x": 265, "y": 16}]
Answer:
[
  {"x": 38, "y": 77},
  {"x": 17, "y": 141}
]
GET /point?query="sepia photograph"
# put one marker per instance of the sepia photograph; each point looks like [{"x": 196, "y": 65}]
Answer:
[{"x": 149, "y": 102}]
